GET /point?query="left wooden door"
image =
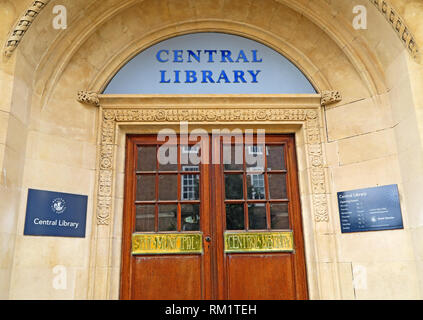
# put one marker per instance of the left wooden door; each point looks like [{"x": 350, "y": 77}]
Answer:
[{"x": 166, "y": 206}]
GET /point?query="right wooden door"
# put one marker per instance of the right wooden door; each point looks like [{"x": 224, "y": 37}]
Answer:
[{"x": 256, "y": 220}]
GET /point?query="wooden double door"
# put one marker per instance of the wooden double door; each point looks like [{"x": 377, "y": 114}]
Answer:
[{"x": 215, "y": 218}]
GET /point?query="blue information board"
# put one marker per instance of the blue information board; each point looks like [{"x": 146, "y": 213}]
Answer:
[
  {"x": 55, "y": 214},
  {"x": 370, "y": 209}
]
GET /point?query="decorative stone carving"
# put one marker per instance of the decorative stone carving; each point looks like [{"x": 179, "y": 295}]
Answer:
[
  {"x": 320, "y": 206},
  {"x": 329, "y": 97},
  {"x": 315, "y": 153},
  {"x": 111, "y": 116},
  {"x": 318, "y": 180},
  {"x": 89, "y": 97},
  {"x": 22, "y": 26},
  {"x": 398, "y": 24},
  {"x": 207, "y": 115}
]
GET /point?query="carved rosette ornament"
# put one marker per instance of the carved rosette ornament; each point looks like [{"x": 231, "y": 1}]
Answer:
[
  {"x": 111, "y": 116},
  {"x": 88, "y": 97},
  {"x": 329, "y": 97},
  {"x": 22, "y": 26}
]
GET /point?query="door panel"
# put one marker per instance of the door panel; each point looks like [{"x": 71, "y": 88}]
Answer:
[
  {"x": 260, "y": 277},
  {"x": 167, "y": 278}
]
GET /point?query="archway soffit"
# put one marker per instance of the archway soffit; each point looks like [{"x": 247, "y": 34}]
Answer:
[{"x": 384, "y": 7}]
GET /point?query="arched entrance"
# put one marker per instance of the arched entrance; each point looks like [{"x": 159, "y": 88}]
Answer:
[{"x": 222, "y": 219}]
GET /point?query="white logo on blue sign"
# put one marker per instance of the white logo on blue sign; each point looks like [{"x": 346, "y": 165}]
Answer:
[{"x": 58, "y": 205}]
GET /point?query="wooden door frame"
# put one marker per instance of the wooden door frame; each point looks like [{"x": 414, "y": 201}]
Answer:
[{"x": 127, "y": 114}]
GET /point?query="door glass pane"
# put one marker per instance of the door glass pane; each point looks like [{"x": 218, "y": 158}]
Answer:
[
  {"x": 233, "y": 159},
  {"x": 277, "y": 186},
  {"x": 167, "y": 217},
  {"x": 144, "y": 218},
  {"x": 146, "y": 158},
  {"x": 234, "y": 186},
  {"x": 279, "y": 216},
  {"x": 255, "y": 158},
  {"x": 167, "y": 156},
  {"x": 256, "y": 186},
  {"x": 190, "y": 187},
  {"x": 257, "y": 216},
  {"x": 190, "y": 156},
  {"x": 146, "y": 185},
  {"x": 190, "y": 217},
  {"x": 275, "y": 158},
  {"x": 234, "y": 217},
  {"x": 168, "y": 167},
  {"x": 168, "y": 187}
]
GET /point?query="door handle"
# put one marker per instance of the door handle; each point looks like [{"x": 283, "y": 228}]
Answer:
[{"x": 208, "y": 239}]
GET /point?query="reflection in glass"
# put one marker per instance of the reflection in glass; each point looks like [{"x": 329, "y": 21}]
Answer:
[
  {"x": 234, "y": 186},
  {"x": 279, "y": 218},
  {"x": 234, "y": 217},
  {"x": 167, "y": 156},
  {"x": 275, "y": 158},
  {"x": 190, "y": 155},
  {"x": 257, "y": 216},
  {"x": 233, "y": 157},
  {"x": 146, "y": 158},
  {"x": 168, "y": 187},
  {"x": 277, "y": 186},
  {"x": 168, "y": 167},
  {"x": 254, "y": 157},
  {"x": 256, "y": 186},
  {"x": 144, "y": 220},
  {"x": 190, "y": 217},
  {"x": 190, "y": 186},
  {"x": 167, "y": 217},
  {"x": 146, "y": 185}
]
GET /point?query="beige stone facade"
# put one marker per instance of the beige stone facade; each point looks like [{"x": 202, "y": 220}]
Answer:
[{"x": 53, "y": 138}]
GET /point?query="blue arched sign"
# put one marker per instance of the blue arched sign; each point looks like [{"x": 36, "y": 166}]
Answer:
[{"x": 209, "y": 63}]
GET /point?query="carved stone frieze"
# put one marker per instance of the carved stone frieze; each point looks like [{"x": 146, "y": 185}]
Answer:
[
  {"x": 204, "y": 115},
  {"x": 111, "y": 116},
  {"x": 22, "y": 26}
]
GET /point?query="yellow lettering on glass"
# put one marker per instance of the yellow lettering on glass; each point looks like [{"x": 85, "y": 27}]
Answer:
[
  {"x": 259, "y": 241},
  {"x": 166, "y": 243}
]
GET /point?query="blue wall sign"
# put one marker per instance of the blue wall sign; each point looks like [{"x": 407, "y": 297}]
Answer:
[
  {"x": 209, "y": 63},
  {"x": 370, "y": 209},
  {"x": 55, "y": 214}
]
